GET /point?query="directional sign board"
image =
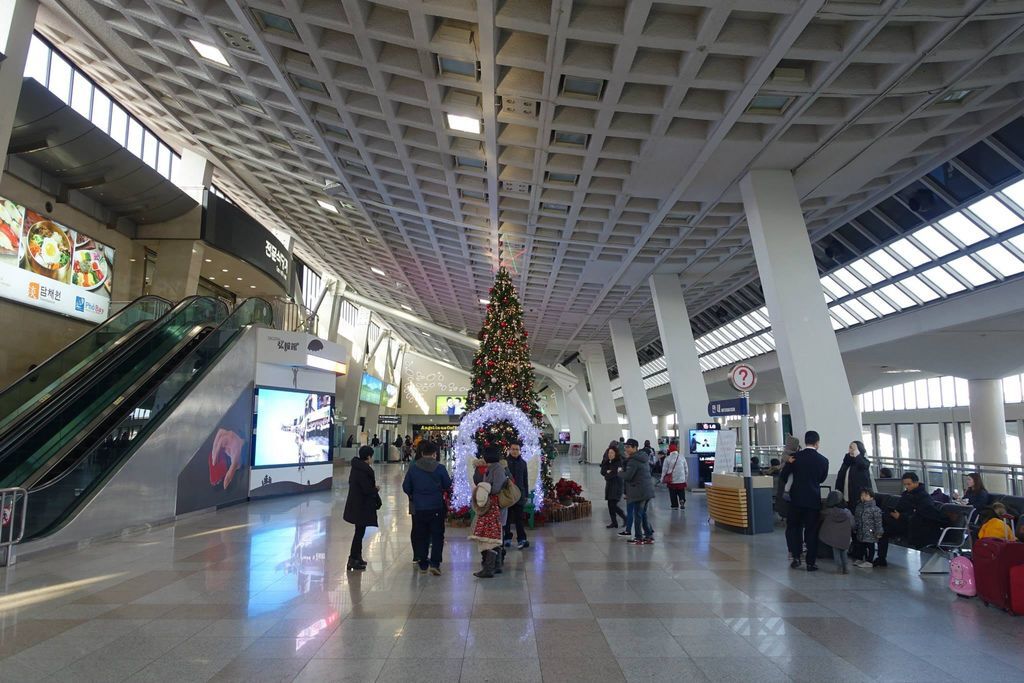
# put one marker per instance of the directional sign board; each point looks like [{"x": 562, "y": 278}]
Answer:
[
  {"x": 742, "y": 377},
  {"x": 729, "y": 406}
]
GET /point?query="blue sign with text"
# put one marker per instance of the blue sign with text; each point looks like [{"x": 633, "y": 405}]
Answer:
[{"x": 730, "y": 406}]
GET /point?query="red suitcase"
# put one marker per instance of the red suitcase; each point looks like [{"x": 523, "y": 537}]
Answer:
[
  {"x": 1017, "y": 589},
  {"x": 993, "y": 558}
]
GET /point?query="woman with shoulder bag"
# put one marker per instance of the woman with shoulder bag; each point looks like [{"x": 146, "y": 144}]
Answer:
[
  {"x": 675, "y": 475},
  {"x": 361, "y": 505}
]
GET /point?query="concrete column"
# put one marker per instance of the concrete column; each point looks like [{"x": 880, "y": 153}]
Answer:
[
  {"x": 988, "y": 426},
  {"x": 773, "y": 425},
  {"x": 592, "y": 355},
  {"x": 812, "y": 369},
  {"x": 689, "y": 393},
  {"x": 586, "y": 399},
  {"x": 349, "y": 398},
  {"x": 193, "y": 174},
  {"x": 641, "y": 424},
  {"x": 17, "y": 19},
  {"x": 760, "y": 418},
  {"x": 178, "y": 266},
  {"x": 663, "y": 426}
]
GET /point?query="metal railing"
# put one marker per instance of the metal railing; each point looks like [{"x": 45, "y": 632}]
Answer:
[
  {"x": 949, "y": 476},
  {"x": 13, "y": 503},
  {"x": 290, "y": 316}
]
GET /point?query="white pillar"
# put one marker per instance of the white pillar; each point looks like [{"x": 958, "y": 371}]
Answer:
[
  {"x": 349, "y": 407},
  {"x": 760, "y": 424},
  {"x": 988, "y": 426},
  {"x": 592, "y": 355},
  {"x": 17, "y": 19},
  {"x": 689, "y": 393},
  {"x": 773, "y": 425},
  {"x": 193, "y": 174},
  {"x": 812, "y": 368},
  {"x": 663, "y": 426},
  {"x": 634, "y": 394}
]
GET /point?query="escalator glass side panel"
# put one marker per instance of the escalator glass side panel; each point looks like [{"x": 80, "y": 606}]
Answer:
[
  {"x": 63, "y": 424},
  {"x": 38, "y": 384},
  {"x": 53, "y": 502}
]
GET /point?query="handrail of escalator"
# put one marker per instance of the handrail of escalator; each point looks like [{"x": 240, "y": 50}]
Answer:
[
  {"x": 51, "y": 502},
  {"x": 61, "y": 418},
  {"x": 67, "y": 365}
]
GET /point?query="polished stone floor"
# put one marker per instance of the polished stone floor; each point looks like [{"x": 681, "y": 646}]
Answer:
[{"x": 259, "y": 592}]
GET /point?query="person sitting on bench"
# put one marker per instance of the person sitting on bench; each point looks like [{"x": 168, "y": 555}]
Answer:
[{"x": 914, "y": 502}]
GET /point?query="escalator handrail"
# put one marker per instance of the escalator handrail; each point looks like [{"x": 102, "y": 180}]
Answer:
[
  {"x": 128, "y": 406},
  {"x": 19, "y": 429},
  {"x": 76, "y": 374}
]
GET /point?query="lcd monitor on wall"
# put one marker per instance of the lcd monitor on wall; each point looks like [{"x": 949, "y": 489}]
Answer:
[
  {"x": 53, "y": 267},
  {"x": 450, "y": 405},
  {"x": 703, "y": 441},
  {"x": 389, "y": 396},
  {"x": 371, "y": 388},
  {"x": 293, "y": 427}
]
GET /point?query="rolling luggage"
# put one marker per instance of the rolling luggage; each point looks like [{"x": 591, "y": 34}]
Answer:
[
  {"x": 1017, "y": 590},
  {"x": 993, "y": 560}
]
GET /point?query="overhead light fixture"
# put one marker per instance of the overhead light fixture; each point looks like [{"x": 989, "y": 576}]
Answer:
[
  {"x": 769, "y": 104},
  {"x": 209, "y": 52},
  {"x": 208, "y": 260},
  {"x": 425, "y": 333},
  {"x": 132, "y": 260},
  {"x": 227, "y": 286},
  {"x": 955, "y": 96},
  {"x": 212, "y": 277},
  {"x": 327, "y": 206},
  {"x": 485, "y": 301},
  {"x": 223, "y": 270},
  {"x": 406, "y": 307},
  {"x": 464, "y": 124},
  {"x": 378, "y": 271},
  {"x": 239, "y": 279},
  {"x": 252, "y": 286}
]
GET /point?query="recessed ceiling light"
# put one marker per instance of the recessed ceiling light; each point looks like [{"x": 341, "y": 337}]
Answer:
[
  {"x": 132, "y": 260},
  {"x": 209, "y": 52},
  {"x": 252, "y": 286},
  {"x": 485, "y": 301},
  {"x": 465, "y": 124},
  {"x": 327, "y": 206},
  {"x": 426, "y": 334},
  {"x": 769, "y": 104},
  {"x": 227, "y": 286},
  {"x": 239, "y": 279},
  {"x": 955, "y": 96},
  {"x": 406, "y": 307},
  {"x": 208, "y": 260},
  {"x": 212, "y": 277},
  {"x": 223, "y": 270},
  {"x": 578, "y": 86},
  {"x": 438, "y": 348},
  {"x": 377, "y": 270}
]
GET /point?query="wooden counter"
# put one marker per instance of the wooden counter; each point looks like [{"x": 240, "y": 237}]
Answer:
[{"x": 729, "y": 500}]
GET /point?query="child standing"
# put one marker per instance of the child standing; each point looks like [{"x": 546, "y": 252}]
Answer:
[
  {"x": 836, "y": 528},
  {"x": 867, "y": 529}
]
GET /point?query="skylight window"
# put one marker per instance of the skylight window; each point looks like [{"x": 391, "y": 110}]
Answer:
[
  {"x": 867, "y": 271},
  {"x": 209, "y": 52},
  {"x": 769, "y": 104},
  {"x": 919, "y": 288},
  {"x": 310, "y": 84},
  {"x": 557, "y": 208},
  {"x": 962, "y": 228},
  {"x": 563, "y": 137},
  {"x": 995, "y": 214},
  {"x": 1000, "y": 258},
  {"x": 943, "y": 280},
  {"x": 268, "y": 21},
  {"x": 848, "y": 279},
  {"x": 883, "y": 260},
  {"x": 844, "y": 315},
  {"x": 955, "y": 96},
  {"x": 862, "y": 311},
  {"x": 578, "y": 86},
  {"x": 878, "y": 303},
  {"x": 1016, "y": 193},
  {"x": 464, "y": 124},
  {"x": 327, "y": 206},
  {"x": 971, "y": 271},
  {"x": 897, "y": 296},
  {"x": 469, "y": 162},
  {"x": 448, "y": 66},
  {"x": 909, "y": 252},
  {"x": 936, "y": 243},
  {"x": 563, "y": 178}
]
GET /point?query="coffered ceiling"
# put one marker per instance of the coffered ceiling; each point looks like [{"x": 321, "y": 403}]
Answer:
[{"x": 611, "y": 134}]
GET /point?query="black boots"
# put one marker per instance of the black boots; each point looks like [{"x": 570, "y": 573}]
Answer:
[
  {"x": 490, "y": 561},
  {"x": 355, "y": 565}
]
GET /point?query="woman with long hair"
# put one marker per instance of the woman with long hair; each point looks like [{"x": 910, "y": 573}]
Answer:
[
  {"x": 611, "y": 470},
  {"x": 975, "y": 494},
  {"x": 854, "y": 474}
]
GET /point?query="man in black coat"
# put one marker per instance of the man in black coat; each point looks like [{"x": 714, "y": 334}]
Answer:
[
  {"x": 915, "y": 505},
  {"x": 521, "y": 476},
  {"x": 809, "y": 469}
]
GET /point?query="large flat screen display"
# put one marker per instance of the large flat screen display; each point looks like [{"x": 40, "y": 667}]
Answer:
[
  {"x": 370, "y": 389},
  {"x": 450, "y": 405},
  {"x": 50, "y": 266},
  {"x": 703, "y": 441},
  {"x": 293, "y": 427},
  {"x": 389, "y": 396}
]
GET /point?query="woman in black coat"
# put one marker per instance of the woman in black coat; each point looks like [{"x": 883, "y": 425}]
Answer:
[
  {"x": 854, "y": 474},
  {"x": 611, "y": 470},
  {"x": 361, "y": 505}
]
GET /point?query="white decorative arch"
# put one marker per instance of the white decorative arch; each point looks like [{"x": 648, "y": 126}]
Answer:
[{"x": 465, "y": 446}]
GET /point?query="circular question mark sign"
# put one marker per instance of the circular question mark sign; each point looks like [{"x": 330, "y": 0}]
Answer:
[{"x": 742, "y": 377}]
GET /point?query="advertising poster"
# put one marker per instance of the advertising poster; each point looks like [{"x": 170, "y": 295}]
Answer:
[
  {"x": 218, "y": 474},
  {"x": 450, "y": 405},
  {"x": 370, "y": 390},
  {"x": 293, "y": 427},
  {"x": 52, "y": 267},
  {"x": 389, "y": 396}
]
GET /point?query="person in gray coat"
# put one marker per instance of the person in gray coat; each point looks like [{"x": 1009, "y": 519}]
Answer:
[
  {"x": 639, "y": 491},
  {"x": 836, "y": 528}
]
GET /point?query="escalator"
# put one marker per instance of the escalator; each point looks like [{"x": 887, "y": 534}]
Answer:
[
  {"x": 49, "y": 380},
  {"x": 72, "y": 474}
]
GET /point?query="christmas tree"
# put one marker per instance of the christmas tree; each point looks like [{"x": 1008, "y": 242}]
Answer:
[{"x": 502, "y": 371}]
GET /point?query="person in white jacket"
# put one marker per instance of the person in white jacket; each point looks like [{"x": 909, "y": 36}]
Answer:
[{"x": 674, "y": 475}]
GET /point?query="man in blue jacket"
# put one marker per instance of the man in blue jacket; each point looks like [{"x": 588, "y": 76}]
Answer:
[
  {"x": 426, "y": 483},
  {"x": 809, "y": 469}
]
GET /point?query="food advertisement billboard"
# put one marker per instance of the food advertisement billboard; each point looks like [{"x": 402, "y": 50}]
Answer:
[{"x": 50, "y": 266}]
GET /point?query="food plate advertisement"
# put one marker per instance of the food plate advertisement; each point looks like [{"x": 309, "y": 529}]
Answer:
[{"x": 53, "y": 267}]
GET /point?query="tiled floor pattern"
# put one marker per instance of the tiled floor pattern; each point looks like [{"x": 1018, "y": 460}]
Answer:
[{"x": 259, "y": 592}]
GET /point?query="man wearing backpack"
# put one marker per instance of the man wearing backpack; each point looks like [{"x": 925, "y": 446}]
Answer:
[
  {"x": 426, "y": 483},
  {"x": 520, "y": 474}
]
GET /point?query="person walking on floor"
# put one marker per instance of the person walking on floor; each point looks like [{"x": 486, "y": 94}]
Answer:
[
  {"x": 426, "y": 483},
  {"x": 675, "y": 475},
  {"x": 490, "y": 517},
  {"x": 808, "y": 469},
  {"x": 867, "y": 529},
  {"x": 854, "y": 474},
  {"x": 837, "y": 529},
  {"x": 361, "y": 505},
  {"x": 639, "y": 491},
  {"x": 611, "y": 470},
  {"x": 520, "y": 473}
]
